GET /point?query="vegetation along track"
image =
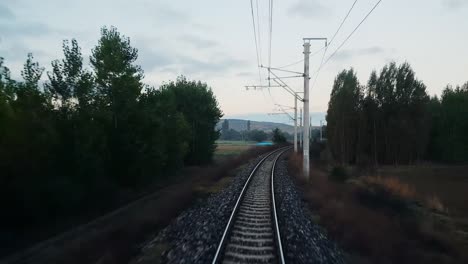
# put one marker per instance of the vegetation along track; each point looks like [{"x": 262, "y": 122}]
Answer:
[{"x": 252, "y": 232}]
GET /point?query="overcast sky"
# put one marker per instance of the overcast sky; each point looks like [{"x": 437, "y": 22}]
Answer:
[{"x": 212, "y": 40}]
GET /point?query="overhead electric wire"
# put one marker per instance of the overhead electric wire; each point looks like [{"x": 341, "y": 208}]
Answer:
[
  {"x": 344, "y": 42},
  {"x": 336, "y": 33},
  {"x": 342, "y": 22},
  {"x": 355, "y": 29},
  {"x": 270, "y": 14},
  {"x": 331, "y": 40},
  {"x": 259, "y": 35},
  {"x": 271, "y": 33},
  {"x": 260, "y": 47},
  {"x": 256, "y": 44},
  {"x": 301, "y": 60}
]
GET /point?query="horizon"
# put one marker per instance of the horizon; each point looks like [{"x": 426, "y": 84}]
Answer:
[{"x": 185, "y": 39}]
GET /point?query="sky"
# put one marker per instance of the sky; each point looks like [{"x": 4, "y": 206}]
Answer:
[{"x": 213, "y": 41}]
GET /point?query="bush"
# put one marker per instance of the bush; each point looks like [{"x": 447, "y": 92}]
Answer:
[
  {"x": 338, "y": 174},
  {"x": 368, "y": 233},
  {"x": 278, "y": 136},
  {"x": 389, "y": 193}
]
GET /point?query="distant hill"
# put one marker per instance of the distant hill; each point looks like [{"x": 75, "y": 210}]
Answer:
[
  {"x": 241, "y": 125},
  {"x": 315, "y": 117}
]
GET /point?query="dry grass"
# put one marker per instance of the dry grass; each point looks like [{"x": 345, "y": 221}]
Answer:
[
  {"x": 447, "y": 183},
  {"x": 392, "y": 185},
  {"x": 433, "y": 202},
  {"x": 379, "y": 231},
  {"x": 115, "y": 240},
  {"x": 226, "y": 150}
]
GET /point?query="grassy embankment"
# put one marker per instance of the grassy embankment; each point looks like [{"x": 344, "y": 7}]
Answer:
[
  {"x": 116, "y": 238},
  {"x": 405, "y": 215},
  {"x": 227, "y": 149}
]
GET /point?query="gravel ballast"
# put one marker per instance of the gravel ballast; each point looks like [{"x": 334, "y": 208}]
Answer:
[
  {"x": 303, "y": 241},
  {"x": 194, "y": 236}
]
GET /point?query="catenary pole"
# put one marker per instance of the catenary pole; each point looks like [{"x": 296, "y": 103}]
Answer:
[
  {"x": 295, "y": 124},
  {"x": 300, "y": 128},
  {"x": 305, "y": 161},
  {"x": 321, "y": 127}
]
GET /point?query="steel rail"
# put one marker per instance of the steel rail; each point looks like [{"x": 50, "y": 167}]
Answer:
[
  {"x": 224, "y": 238},
  {"x": 279, "y": 245}
]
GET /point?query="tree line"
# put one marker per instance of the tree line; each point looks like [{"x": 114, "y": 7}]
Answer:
[
  {"x": 89, "y": 132},
  {"x": 276, "y": 135},
  {"x": 392, "y": 119}
]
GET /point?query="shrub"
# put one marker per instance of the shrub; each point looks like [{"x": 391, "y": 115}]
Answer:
[
  {"x": 381, "y": 192},
  {"x": 338, "y": 174},
  {"x": 435, "y": 204}
]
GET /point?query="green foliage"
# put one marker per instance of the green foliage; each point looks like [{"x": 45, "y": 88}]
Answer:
[
  {"x": 343, "y": 113},
  {"x": 197, "y": 103},
  {"x": 232, "y": 134},
  {"x": 87, "y": 136},
  {"x": 386, "y": 122},
  {"x": 338, "y": 174},
  {"x": 278, "y": 136},
  {"x": 449, "y": 140},
  {"x": 257, "y": 135},
  {"x": 225, "y": 126}
]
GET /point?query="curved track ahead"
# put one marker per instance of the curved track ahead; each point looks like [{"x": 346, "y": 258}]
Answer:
[{"x": 252, "y": 232}]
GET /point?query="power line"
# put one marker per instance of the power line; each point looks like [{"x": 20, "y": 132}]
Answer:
[
  {"x": 255, "y": 37},
  {"x": 342, "y": 22},
  {"x": 291, "y": 64},
  {"x": 326, "y": 47},
  {"x": 355, "y": 29},
  {"x": 301, "y": 60},
  {"x": 333, "y": 38},
  {"x": 271, "y": 32},
  {"x": 344, "y": 42},
  {"x": 259, "y": 35}
]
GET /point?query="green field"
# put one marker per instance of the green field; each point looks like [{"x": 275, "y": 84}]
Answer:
[{"x": 226, "y": 149}]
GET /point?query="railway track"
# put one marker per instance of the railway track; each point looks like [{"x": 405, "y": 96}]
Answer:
[{"x": 252, "y": 232}]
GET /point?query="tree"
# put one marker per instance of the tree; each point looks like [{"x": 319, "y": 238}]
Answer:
[
  {"x": 342, "y": 116},
  {"x": 387, "y": 122},
  {"x": 225, "y": 126},
  {"x": 448, "y": 141},
  {"x": 278, "y": 136},
  {"x": 196, "y": 101},
  {"x": 85, "y": 137},
  {"x": 118, "y": 86},
  {"x": 257, "y": 135},
  {"x": 231, "y": 134},
  {"x": 402, "y": 102},
  {"x": 248, "y": 125},
  {"x": 31, "y": 73},
  {"x": 68, "y": 82}
]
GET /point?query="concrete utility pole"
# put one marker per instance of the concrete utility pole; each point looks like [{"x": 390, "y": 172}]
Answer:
[
  {"x": 321, "y": 126},
  {"x": 295, "y": 124},
  {"x": 305, "y": 161},
  {"x": 310, "y": 129},
  {"x": 306, "y": 165},
  {"x": 300, "y": 130}
]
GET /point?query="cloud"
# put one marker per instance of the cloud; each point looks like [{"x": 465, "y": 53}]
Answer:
[
  {"x": 197, "y": 42},
  {"x": 155, "y": 58},
  {"x": 454, "y": 4},
  {"x": 189, "y": 65},
  {"x": 167, "y": 13},
  {"x": 309, "y": 9},
  {"x": 23, "y": 29},
  {"x": 348, "y": 54},
  {"x": 245, "y": 74},
  {"x": 152, "y": 59},
  {"x": 5, "y": 12}
]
